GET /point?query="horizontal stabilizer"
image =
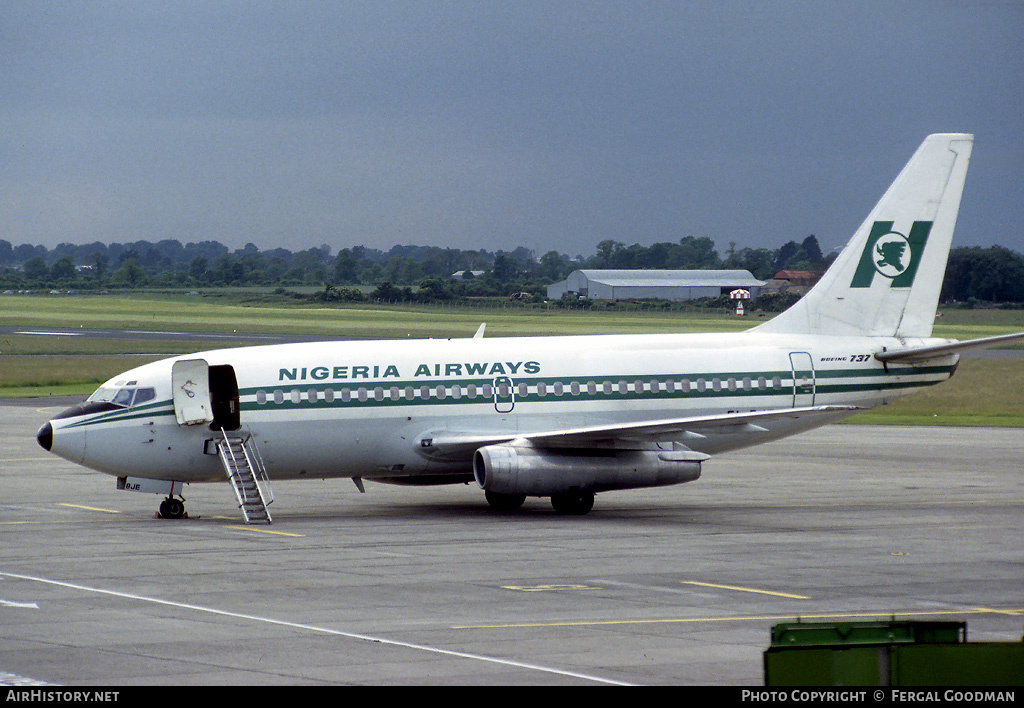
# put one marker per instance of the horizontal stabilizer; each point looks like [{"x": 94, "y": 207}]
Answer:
[{"x": 937, "y": 350}]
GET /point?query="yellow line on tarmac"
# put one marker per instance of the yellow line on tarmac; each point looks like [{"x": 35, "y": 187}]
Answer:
[
  {"x": 742, "y": 618},
  {"x": 1013, "y": 613},
  {"x": 742, "y": 589},
  {"x": 276, "y": 533},
  {"x": 90, "y": 508}
]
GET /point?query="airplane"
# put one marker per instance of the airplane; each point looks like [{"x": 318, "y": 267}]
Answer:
[{"x": 564, "y": 417}]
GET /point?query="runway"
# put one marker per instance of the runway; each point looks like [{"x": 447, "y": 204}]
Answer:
[{"x": 401, "y": 586}]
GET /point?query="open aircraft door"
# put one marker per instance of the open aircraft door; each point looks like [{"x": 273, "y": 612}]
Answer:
[{"x": 190, "y": 381}]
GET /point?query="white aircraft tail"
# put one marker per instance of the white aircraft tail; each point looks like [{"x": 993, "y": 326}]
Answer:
[{"x": 886, "y": 281}]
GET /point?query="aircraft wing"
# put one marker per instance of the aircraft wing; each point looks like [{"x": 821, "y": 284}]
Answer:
[
  {"x": 937, "y": 350},
  {"x": 455, "y": 445}
]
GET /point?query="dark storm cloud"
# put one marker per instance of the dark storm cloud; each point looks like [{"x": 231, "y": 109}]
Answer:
[{"x": 552, "y": 125}]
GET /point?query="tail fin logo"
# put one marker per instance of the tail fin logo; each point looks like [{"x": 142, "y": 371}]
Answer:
[
  {"x": 891, "y": 254},
  {"x": 892, "y": 251}
]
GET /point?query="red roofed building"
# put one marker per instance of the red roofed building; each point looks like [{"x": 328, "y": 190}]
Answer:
[
  {"x": 799, "y": 281},
  {"x": 802, "y": 278}
]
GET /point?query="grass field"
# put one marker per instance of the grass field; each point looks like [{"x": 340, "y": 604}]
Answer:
[
  {"x": 197, "y": 314},
  {"x": 984, "y": 391}
]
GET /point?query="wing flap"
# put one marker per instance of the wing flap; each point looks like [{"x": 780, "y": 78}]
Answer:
[{"x": 452, "y": 445}]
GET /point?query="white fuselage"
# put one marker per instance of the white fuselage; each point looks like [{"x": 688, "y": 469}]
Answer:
[{"x": 366, "y": 409}]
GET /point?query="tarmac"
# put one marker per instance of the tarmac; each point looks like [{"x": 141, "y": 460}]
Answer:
[{"x": 429, "y": 586}]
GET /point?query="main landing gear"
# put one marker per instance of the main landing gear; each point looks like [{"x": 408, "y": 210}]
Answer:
[
  {"x": 172, "y": 508},
  {"x": 575, "y": 503},
  {"x": 572, "y": 503},
  {"x": 504, "y": 502}
]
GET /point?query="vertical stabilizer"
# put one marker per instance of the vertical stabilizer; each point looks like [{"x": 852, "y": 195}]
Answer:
[{"x": 886, "y": 281}]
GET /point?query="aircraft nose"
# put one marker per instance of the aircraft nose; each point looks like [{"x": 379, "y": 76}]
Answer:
[{"x": 45, "y": 436}]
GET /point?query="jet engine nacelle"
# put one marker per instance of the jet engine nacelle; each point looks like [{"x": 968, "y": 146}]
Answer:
[{"x": 543, "y": 472}]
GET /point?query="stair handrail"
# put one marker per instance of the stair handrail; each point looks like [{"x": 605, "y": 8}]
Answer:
[
  {"x": 255, "y": 461},
  {"x": 230, "y": 462},
  {"x": 254, "y": 466}
]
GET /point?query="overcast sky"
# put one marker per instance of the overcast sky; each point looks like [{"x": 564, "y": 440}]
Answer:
[{"x": 552, "y": 125}]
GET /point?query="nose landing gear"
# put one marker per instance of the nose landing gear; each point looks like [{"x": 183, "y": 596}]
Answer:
[{"x": 172, "y": 508}]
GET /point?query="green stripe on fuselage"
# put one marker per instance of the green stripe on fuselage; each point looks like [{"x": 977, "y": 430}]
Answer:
[{"x": 829, "y": 381}]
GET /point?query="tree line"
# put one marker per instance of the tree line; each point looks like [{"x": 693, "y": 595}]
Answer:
[{"x": 994, "y": 274}]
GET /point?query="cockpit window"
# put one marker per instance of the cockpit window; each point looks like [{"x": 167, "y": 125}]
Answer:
[
  {"x": 123, "y": 397},
  {"x": 103, "y": 395}
]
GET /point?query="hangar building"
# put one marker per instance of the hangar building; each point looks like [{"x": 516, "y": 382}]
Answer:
[{"x": 654, "y": 284}]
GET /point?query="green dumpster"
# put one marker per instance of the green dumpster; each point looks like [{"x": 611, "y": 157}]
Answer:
[{"x": 888, "y": 653}]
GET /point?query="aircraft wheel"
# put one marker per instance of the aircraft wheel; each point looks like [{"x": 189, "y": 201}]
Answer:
[
  {"x": 171, "y": 508},
  {"x": 504, "y": 502},
  {"x": 577, "y": 503}
]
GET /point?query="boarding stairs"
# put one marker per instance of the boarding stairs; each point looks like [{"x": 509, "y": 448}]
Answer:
[{"x": 248, "y": 476}]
